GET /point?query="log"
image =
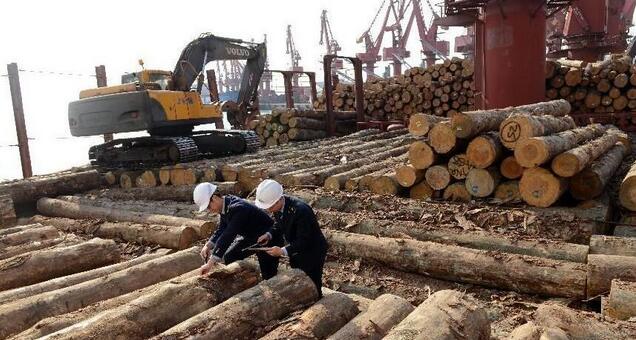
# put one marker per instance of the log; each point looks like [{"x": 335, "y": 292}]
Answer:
[
  {"x": 59, "y": 208},
  {"x": 28, "y": 236},
  {"x": 621, "y": 303},
  {"x": 535, "y": 151},
  {"x": 337, "y": 182},
  {"x": 421, "y": 191},
  {"x": 7, "y": 211},
  {"x": 55, "y": 323},
  {"x": 530, "y": 331},
  {"x": 612, "y": 245},
  {"x": 471, "y": 124},
  {"x": 386, "y": 184},
  {"x": 459, "y": 166},
  {"x": 21, "y": 314},
  {"x": 456, "y": 192},
  {"x": 173, "y": 208},
  {"x": 519, "y": 127},
  {"x": 177, "y": 175},
  {"x": 443, "y": 140},
  {"x": 441, "y": 315},
  {"x": 627, "y": 192},
  {"x": 508, "y": 192},
  {"x": 362, "y": 183},
  {"x": 438, "y": 177},
  {"x": 510, "y": 169},
  {"x": 166, "y": 236},
  {"x": 421, "y": 155},
  {"x": 580, "y": 325},
  {"x": 304, "y": 134},
  {"x": 127, "y": 179},
  {"x": 487, "y": 241},
  {"x": 602, "y": 269},
  {"x": 498, "y": 270},
  {"x": 384, "y": 312},
  {"x": 69, "y": 280},
  {"x": 484, "y": 150},
  {"x": 319, "y": 321},
  {"x": 408, "y": 175},
  {"x": 67, "y": 240},
  {"x": 112, "y": 177},
  {"x": 541, "y": 188},
  {"x": 240, "y": 315},
  {"x": 30, "y": 190},
  {"x": 42, "y": 265},
  {"x": 182, "y": 193},
  {"x": 147, "y": 179},
  {"x": 591, "y": 182},
  {"x": 170, "y": 304},
  {"x": 306, "y": 123},
  {"x": 420, "y": 123},
  {"x": 482, "y": 182},
  {"x": 571, "y": 162},
  {"x": 20, "y": 228}
]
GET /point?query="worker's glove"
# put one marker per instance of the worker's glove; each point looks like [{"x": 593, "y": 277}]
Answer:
[{"x": 264, "y": 238}]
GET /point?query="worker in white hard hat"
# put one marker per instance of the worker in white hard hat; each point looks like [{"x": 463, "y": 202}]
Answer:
[
  {"x": 240, "y": 225},
  {"x": 295, "y": 220}
]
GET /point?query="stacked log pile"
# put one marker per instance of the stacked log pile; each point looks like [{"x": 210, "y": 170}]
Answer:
[
  {"x": 440, "y": 89},
  {"x": 532, "y": 153},
  {"x": 601, "y": 87}
]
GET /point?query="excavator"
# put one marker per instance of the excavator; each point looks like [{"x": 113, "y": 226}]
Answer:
[{"x": 164, "y": 104}]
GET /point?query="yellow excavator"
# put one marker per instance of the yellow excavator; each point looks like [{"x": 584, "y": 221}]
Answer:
[{"x": 164, "y": 104}]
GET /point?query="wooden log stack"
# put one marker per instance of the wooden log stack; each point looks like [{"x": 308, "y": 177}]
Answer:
[{"x": 441, "y": 89}]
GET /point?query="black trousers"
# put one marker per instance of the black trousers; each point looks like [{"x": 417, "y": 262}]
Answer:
[
  {"x": 312, "y": 268},
  {"x": 267, "y": 263}
]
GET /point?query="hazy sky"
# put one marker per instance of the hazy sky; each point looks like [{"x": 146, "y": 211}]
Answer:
[{"x": 74, "y": 36}]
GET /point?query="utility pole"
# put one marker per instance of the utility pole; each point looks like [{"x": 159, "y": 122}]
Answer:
[
  {"x": 100, "y": 74},
  {"x": 20, "y": 125}
]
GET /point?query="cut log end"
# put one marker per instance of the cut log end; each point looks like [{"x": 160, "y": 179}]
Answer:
[
  {"x": 482, "y": 182},
  {"x": 531, "y": 152},
  {"x": 540, "y": 188},
  {"x": 421, "y": 155},
  {"x": 510, "y": 169}
]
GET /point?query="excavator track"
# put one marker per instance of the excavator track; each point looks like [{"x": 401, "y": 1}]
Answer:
[{"x": 154, "y": 151}]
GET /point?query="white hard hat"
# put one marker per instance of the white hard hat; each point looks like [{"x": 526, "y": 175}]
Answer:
[
  {"x": 268, "y": 193},
  {"x": 202, "y": 194}
]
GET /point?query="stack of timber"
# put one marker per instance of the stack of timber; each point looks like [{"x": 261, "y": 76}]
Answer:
[
  {"x": 441, "y": 89},
  {"x": 532, "y": 153},
  {"x": 28, "y": 191},
  {"x": 602, "y": 87},
  {"x": 284, "y": 125},
  {"x": 343, "y": 98}
]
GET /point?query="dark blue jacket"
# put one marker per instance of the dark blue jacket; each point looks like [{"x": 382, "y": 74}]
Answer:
[
  {"x": 297, "y": 222},
  {"x": 239, "y": 217}
]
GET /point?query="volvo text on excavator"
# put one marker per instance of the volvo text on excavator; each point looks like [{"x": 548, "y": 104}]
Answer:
[{"x": 164, "y": 104}]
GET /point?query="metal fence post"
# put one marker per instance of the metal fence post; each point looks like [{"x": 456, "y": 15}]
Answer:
[{"x": 20, "y": 125}]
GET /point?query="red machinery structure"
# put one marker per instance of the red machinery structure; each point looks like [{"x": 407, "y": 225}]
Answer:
[
  {"x": 395, "y": 12},
  {"x": 329, "y": 41}
]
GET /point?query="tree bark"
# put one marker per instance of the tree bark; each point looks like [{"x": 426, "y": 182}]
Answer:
[
  {"x": 420, "y": 123},
  {"x": 30, "y": 190},
  {"x": 59, "y": 208},
  {"x": 304, "y": 134},
  {"x": 28, "y": 236},
  {"x": 508, "y": 192},
  {"x": 520, "y": 127},
  {"x": 535, "y": 151},
  {"x": 7, "y": 212},
  {"x": 438, "y": 177},
  {"x": 19, "y": 315},
  {"x": 172, "y": 208},
  {"x": 67, "y": 240},
  {"x": 482, "y": 182},
  {"x": 170, "y": 304},
  {"x": 510, "y": 169},
  {"x": 42, "y": 265},
  {"x": 498, "y": 270},
  {"x": 627, "y": 192},
  {"x": 306, "y": 123},
  {"x": 621, "y": 303},
  {"x": 240, "y": 315},
  {"x": 541, "y": 188},
  {"x": 488, "y": 241},
  {"x": 319, "y": 321},
  {"x": 20, "y": 228},
  {"x": 591, "y": 182},
  {"x": 384, "y": 312},
  {"x": 440, "y": 316},
  {"x": 459, "y": 166},
  {"x": 612, "y": 245},
  {"x": 580, "y": 325},
  {"x": 166, "y": 236},
  {"x": 571, "y": 162},
  {"x": 182, "y": 193},
  {"x": 69, "y": 280},
  {"x": 484, "y": 150},
  {"x": 421, "y": 155},
  {"x": 602, "y": 269},
  {"x": 456, "y": 192}
]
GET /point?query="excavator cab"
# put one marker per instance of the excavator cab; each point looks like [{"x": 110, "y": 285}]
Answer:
[{"x": 161, "y": 80}]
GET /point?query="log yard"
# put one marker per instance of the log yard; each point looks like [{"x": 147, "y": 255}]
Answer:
[{"x": 482, "y": 192}]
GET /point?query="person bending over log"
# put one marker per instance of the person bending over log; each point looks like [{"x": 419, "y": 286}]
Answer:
[
  {"x": 241, "y": 223},
  {"x": 296, "y": 221}
]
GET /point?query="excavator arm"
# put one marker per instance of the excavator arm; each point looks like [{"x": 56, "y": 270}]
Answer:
[{"x": 209, "y": 47}]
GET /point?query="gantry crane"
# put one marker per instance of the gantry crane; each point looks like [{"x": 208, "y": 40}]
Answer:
[
  {"x": 329, "y": 41},
  {"x": 432, "y": 48},
  {"x": 294, "y": 56}
]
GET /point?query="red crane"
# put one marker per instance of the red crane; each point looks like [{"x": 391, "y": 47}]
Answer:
[
  {"x": 431, "y": 46},
  {"x": 327, "y": 39},
  {"x": 294, "y": 55}
]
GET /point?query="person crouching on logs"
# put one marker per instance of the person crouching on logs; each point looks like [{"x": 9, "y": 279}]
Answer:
[
  {"x": 240, "y": 225},
  {"x": 296, "y": 221}
]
